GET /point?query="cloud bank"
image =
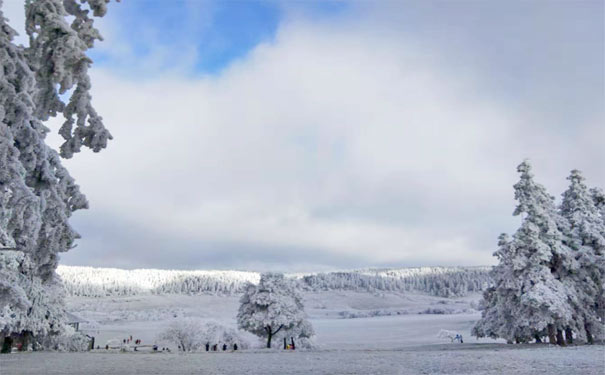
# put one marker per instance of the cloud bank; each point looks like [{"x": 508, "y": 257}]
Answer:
[{"x": 338, "y": 143}]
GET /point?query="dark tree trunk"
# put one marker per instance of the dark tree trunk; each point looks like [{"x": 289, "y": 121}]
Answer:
[
  {"x": 7, "y": 345},
  {"x": 285, "y": 344},
  {"x": 517, "y": 340},
  {"x": 269, "y": 336},
  {"x": 589, "y": 338},
  {"x": 552, "y": 334},
  {"x": 568, "y": 335},
  {"x": 560, "y": 340}
]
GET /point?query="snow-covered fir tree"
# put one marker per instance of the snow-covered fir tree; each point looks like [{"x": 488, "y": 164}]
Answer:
[
  {"x": 598, "y": 197},
  {"x": 271, "y": 307},
  {"x": 531, "y": 275},
  {"x": 499, "y": 300},
  {"x": 584, "y": 273},
  {"x": 37, "y": 194}
]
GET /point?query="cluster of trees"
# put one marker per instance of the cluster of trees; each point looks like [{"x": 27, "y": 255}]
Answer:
[
  {"x": 191, "y": 334},
  {"x": 437, "y": 281},
  {"x": 272, "y": 309},
  {"x": 101, "y": 282},
  {"x": 37, "y": 194},
  {"x": 550, "y": 277}
]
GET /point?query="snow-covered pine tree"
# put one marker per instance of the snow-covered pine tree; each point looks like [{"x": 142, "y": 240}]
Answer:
[
  {"x": 585, "y": 272},
  {"x": 544, "y": 302},
  {"x": 598, "y": 197},
  {"x": 37, "y": 194},
  {"x": 272, "y": 306},
  {"x": 497, "y": 318}
]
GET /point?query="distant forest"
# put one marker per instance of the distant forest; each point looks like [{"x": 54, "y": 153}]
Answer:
[{"x": 436, "y": 281}]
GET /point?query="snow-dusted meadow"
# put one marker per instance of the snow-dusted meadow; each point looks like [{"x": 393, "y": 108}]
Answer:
[{"x": 358, "y": 331}]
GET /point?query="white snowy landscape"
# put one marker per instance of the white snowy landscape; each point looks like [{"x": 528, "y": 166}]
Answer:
[
  {"x": 389, "y": 326},
  {"x": 302, "y": 187}
]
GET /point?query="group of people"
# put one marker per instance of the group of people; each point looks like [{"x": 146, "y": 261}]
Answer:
[
  {"x": 290, "y": 346},
  {"x": 215, "y": 347},
  {"x": 128, "y": 340}
]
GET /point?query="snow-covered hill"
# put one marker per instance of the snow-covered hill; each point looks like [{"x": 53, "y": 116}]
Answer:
[{"x": 436, "y": 281}]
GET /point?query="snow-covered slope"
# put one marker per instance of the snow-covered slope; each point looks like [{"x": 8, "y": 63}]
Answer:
[{"x": 437, "y": 281}]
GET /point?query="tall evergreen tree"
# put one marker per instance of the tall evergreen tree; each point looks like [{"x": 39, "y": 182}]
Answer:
[
  {"x": 499, "y": 300},
  {"x": 528, "y": 271},
  {"x": 585, "y": 236}
]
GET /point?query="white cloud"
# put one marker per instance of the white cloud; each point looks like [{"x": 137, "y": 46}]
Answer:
[{"x": 332, "y": 139}]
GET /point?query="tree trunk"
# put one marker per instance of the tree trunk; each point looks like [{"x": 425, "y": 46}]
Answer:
[
  {"x": 270, "y": 334},
  {"x": 7, "y": 345},
  {"x": 552, "y": 339},
  {"x": 589, "y": 338},
  {"x": 568, "y": 335},
  {"x": 285, "y": 344},
  {"x": 560, "y": 340}
]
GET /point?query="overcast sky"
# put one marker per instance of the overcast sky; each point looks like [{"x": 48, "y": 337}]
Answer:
[{"x": 298, "y": 137}]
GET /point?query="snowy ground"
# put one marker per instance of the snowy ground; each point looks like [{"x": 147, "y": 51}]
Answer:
[
  {"x": 432, "y": 359},
  {"x": 390, "y": 334}
]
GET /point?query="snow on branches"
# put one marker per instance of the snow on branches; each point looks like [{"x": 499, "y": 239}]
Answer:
[
  {"x": 549, "y": 279},
  {"x": 191, "y": 334},
  {"x": 437, "y": 281},
  {"x": 37, "y": 194},
  {"x": 271, "y": 307}
]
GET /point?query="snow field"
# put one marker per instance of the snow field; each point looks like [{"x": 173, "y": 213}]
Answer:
[{"x": 459, "y": 359}]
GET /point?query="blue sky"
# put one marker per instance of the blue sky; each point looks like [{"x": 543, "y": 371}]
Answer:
[
  {"x": 304, "y": 136},
  {"x": 220, "y": 32}
]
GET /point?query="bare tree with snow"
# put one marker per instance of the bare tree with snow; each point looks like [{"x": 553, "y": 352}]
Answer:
[{"x": 273, "y": 306}]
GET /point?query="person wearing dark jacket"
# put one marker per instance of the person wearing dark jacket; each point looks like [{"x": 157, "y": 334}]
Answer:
[
  {"x": 224, "y": 347},
  {"x": 234, "y": 347}
]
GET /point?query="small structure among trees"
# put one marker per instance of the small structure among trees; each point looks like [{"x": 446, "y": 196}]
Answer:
[
  {"x": 549, "y": 280},
  {"x": 274, "y": 308}
]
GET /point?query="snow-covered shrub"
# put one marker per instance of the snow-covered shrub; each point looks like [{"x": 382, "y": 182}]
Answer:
[
  {"x": 215, "y": 333},
  {"x": 191, "y": 334},
  {"x": 68, "y": 340},
  {"x": 186, "y": 333}
]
